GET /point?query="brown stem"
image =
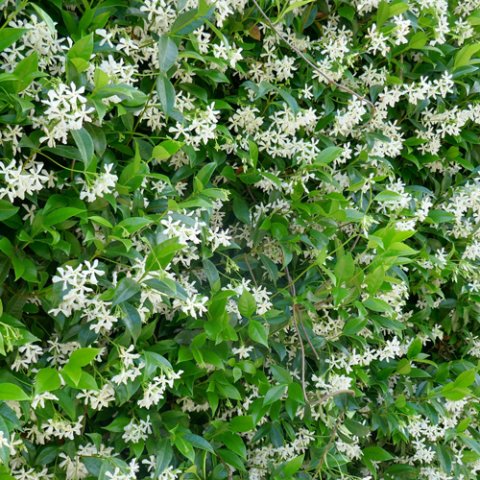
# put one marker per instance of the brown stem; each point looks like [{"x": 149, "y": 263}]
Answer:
[
  {"x": 318, "y": 472},
  {"x": 309, "y": 341},
  {"x": 293, "y": 293},
  {"x": 334, "y": 394}
]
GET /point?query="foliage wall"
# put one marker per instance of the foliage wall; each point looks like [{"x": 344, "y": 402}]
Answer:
[{"x": 239, "y": 239}]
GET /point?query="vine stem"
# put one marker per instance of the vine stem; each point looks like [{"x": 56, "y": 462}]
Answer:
[
  {"x": 329, "y": 80},
  {"x": 318, "y": 472},
  {"x": 297, "y": 329}
]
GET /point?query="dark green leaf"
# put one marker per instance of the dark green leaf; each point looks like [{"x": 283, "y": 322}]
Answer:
[{"x": 125, "y": 289}]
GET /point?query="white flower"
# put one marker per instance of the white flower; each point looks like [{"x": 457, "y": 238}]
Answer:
[
  {"x": 66, "y": 111},
  {"x": 104, "y": 184},
  {"x": 21, "y": 180},
  {"x": 39, "y": 400},
  {"x": 218, "y": 238},
  {"x": 193, "y": 306},
  {"x": 3, "y": 440},
  {"x": 242, "y": 352},
  {"x": 98, "y": 399},
  {"x": 352, "y": 451},
  {"x": 137, "y": 430},
  {"x": 154, "y": 392}
]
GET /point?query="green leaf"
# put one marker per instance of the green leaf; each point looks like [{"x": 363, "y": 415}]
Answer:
[
  {"x": 45, "y": 17},
  {"x": 164, "y": 456},
  {"x": 257, "y": 332},
  {"x": 7, "y": 210},
  {"x": 101, "y": 221},
  {"x": 227, "y": 390},
  {"x": 377, "y": 305},
  {"x": 376, "y": 454},
  {"x": 185, "y": 448},
  {"x": 198, "y": 442},
  {"x": 167, "y": 53},
  {"x": 234, "y": 443},
  {"x": 46, "y": 380},
  {"x": 347, "y": 11},
  {"x": 292, "y": 6},
  {"x": 294, "y": 465},
  {"x": 232, "y": 459},
  {"x": 404, "y": 367},
  {"x": 246, "y": 304},
  {"x": 295, "y": 393},
  {"x": 354, "y": 325},
  {"x": 162, "y": 254},
  {"x": 454, "y": 393},
  {"x": 83, "y": 356},
  {"x": 26, "y": 71},
  {"x": 160, "y": 153},
  {"x": 253, "y": 150},
  {"x": 464, "y": 55},
  {"x": 344, "y": 268},
  {"x": 118, "y": 424},
  {"x": 58, "y": 216},
  {"x": 328, "y": 155},
  {"x": 166, "y": 93},
  {"x": 87, "y": 382},
  {"x": 440, "y": 216},
  {"x": 131, "y": 225},
  {"x": 274, "y": 394},
  {"x": 10, "y": 391},
  {"x": 84, "y": 143},
  {"x": 418, "y": 41},
  {"x": 387, "y": 10},
  {"x": 190, "y": 20},
  {"x": 415, "y": 348},
  {"x": 98, "y": 137},
  {"x": 125, "y": 289},
  {"x": 82, "y": 49},
  {"x": 357, "y": 428},
  {"x": 241, "y": 210},
  {"x": 374, "y": 280},
  {"x": 132, "y": 320},
  {"x": 153, "y": 361},
  {"x": 205, "y": 173},
  {"x": 242, "y": 423},
  {"x": 387, "y": 196},
  {"x": 9, "y": 36},
  {"x": 465, "y": 379}
]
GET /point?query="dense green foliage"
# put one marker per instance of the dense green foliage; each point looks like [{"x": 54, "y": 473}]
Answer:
[{"x": 233, "y": 248}]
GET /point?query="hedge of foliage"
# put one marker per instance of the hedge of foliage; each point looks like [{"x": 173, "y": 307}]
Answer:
[{"x": 239, "y": 239}]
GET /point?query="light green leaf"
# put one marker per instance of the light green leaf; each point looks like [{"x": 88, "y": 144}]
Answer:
[
  {"x": 246, "y": 304},
  {"x": 46, "y": 380},
  {"x": 328, "y": 155},
  {"x": 9, "y": 36},
  {"x": 10, "y": 391},
  {"x": 83, "y": 356},
  {"x": 464, "y": 55}
]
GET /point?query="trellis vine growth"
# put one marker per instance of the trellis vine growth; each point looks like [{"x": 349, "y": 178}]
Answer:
[{"x": 239, "y": 239}]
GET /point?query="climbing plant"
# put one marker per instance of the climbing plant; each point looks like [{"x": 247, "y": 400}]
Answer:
[{"x": 239, "y": 239}]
